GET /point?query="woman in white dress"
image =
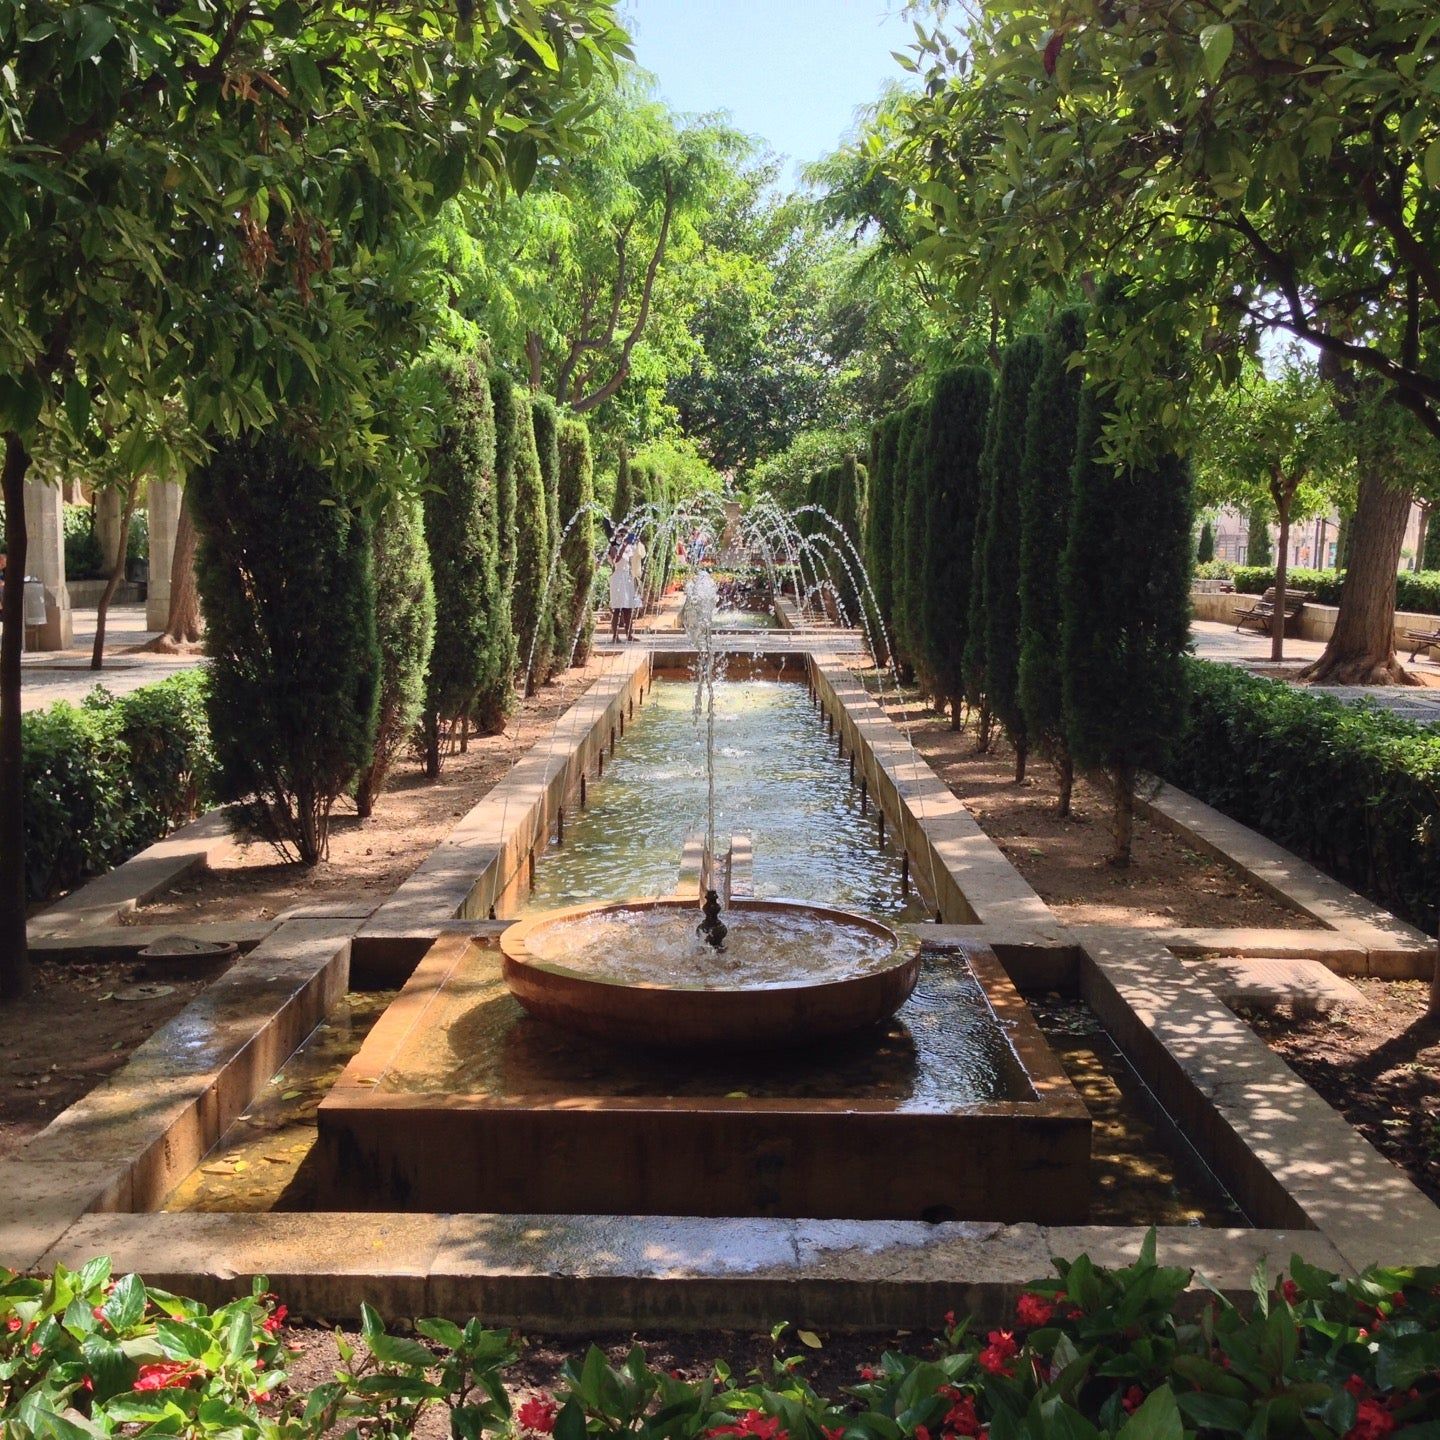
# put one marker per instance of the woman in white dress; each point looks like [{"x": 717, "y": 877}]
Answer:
[{"x": 624, "y": 594}]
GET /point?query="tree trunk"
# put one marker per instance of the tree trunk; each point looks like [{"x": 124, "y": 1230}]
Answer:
[
  {"x": 1124, "y": 779},
  {"x": 14, "y": 956},
  {"x": 1022, "y": 751},
  {"x": 1434, "y": 1008},
  {"x": 982, "y": 739},
  {"x": 1066, "y": 766},
  {"x": 117, "y": 574},
  {"x": 956, "y": 720},
  {"x": 1362, "y": 649},
  {"x": 1282, "y": 495},
  {"x": 431, "y": 723},
  {"x": 182, "y": 625}
]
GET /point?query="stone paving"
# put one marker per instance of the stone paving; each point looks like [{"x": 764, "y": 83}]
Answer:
[
  {"x": 1217, "y": 641},
  {"x": 50, "y": 675}
]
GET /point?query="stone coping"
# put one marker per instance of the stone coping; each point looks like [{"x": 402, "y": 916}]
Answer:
[
  {"x": 128, "y": 1142},
  {"x": 484, "y": 860},
  {"x": 1391, "y": 947},
  {"x": 965, "y": 874},
  {"x": 100, "y": 902},
  {"x": 579, "y": 1273},
  {"x": 1286, "y": 1156}
]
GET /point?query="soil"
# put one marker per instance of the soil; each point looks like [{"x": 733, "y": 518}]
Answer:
[
  {"x": 80, "y": 1022},
  {"x": 1167, "y": 885},
  {"x": 368, "y": 858},
  {"x": 835, "y": 1365},
  {"x": 1378, "y": 1066}
]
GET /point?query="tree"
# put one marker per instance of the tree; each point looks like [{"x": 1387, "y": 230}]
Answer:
[
  {"x": 1125, "y": 612},
  {"x": 577, "y": 556},
  {"x": 624, "y": 499},
  {"x": 1205, "y": 546},
  {"x": 472, "y": 662},
  {"x": 557, "y": 600},
  {"x": 1273, "y": 436},
  {"x": 902, "y": 477},
  {"x": 1257, "y": 536},
  {"x": 503, "y": 400},
  {"x": 879, "y": 530},
  {"x": 294, "y": 682},
  {"x": 405, "y": 633},
  {"x": 908, "y": 563},
  {"x": 193, "y": 196},
  {"x": 1046, "y": 489},
  {"x": 959, "y": 413},
  {"x": 998, "y": 543},
  {"x": 1267, "y": 171},
  {"x": 532, "y": 553}
]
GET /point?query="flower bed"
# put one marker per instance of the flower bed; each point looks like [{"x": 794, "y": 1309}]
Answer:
[{"x": 1092, "y": 1352}]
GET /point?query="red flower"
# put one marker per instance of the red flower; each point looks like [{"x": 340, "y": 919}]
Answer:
[
  {"x": 1355, "y": 1385},
  {"x": 962, "y": 1419},
  {"x": 538, "y": 1413},
  {"x": 1132, "y": 1400},
  {"x": 13, "y": 1323},
  {"x": 274, "y": 1320},
  {"x": 1372, "y": 1422},
  {"x": 1397, "y": 1300},
  {"x": 36, "y": 1348},
  {"x": 949, "y": 1319},
  {"x": 922, "y": 1432},
  {"x": 1033, "y": 1310},
  {"x": 1291, "y": 1292},
  {"x": 86, "y": 1383},
  {"x": 165, "y": 1375},
  {"x": 867, "y": 1372},
  {"x": 832, "y": 1432},
  {"x": 754, "y": 1423}
]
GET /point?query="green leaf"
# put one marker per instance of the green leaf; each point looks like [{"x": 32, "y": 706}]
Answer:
[
  {"x": 1432, "y": 164},
  {"x": 1157, "y": 1419},
  {"x": 808, "y": 1338},
  {"x": 126, "y": 1303},
  {"x": 1216, "y": 42}
]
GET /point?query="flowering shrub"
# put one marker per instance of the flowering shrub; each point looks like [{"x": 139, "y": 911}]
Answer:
[{"x": 1092, "y": 1353}]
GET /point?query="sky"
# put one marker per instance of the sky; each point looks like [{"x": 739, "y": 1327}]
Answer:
[{"x": 790, "y": 71}]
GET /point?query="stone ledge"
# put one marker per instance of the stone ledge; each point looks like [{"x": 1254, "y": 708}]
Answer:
[
  {"x": 573, "y": 1273},
  {"x": 102, "y": 901}
]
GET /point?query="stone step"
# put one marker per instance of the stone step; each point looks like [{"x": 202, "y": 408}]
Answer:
[{"x": 1302, "y": 988}]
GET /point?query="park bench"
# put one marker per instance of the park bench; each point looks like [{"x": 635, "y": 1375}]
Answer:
[
  {"x": 1261, "y": 613},
  {"x": 1422, "y": 640}
]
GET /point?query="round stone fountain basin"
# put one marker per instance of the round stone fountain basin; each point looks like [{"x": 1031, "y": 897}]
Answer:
[{"x": 636, "y": 973}]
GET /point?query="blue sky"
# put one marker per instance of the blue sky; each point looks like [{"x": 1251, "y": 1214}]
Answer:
[{"x": 790, "y": 71}]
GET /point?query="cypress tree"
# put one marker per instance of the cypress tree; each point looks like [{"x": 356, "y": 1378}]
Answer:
[
  {"x": 503, "y": 400},
  {"x": 577, "y": 558},
  {"x": 1257, "y": 538},
  {"x": 847, "y": 511},
  {"x": 624, "y": 499},
  {"x": 959, "y": 414},
  {"x": 1044, "y": 524},
  {"x": 532, "y": 553},
  {"x": 917, "y": 505},
  {"x": 977, "y": 687},
  {"x": 1125, "y": 613},
  {"x": 557, "y": 603},
  {"x": 294, "y": 679},
  {"x": 901, "y": 577},
  {"x": 405, "y": 629},
  {"x": 877, "y": 530},
  {"x": 1205, "y": 548},
  {"x": 1430, "y": 554},
  {"x": 1004, "y": 460},
  {"x": 472, "y": 662}
]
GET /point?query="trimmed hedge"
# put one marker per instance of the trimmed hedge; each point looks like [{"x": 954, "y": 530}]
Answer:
[
  {"x": 107, "y": 778},
  {"x": 1352, "y": 788},
  {"x": 1415, "y": 590}
]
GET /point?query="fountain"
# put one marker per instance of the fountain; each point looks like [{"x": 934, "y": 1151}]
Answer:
[{"x": 642, "y": 973}]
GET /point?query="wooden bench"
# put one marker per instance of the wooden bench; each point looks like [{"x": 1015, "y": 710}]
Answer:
[
  {"x": 1422, "y": 640},
  {"x": 1261, "y": 613}
]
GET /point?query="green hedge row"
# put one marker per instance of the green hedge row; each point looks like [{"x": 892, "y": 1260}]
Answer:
[
  {"x": 1415, "y": 590},
  {"x": 1352, "y": 788},
  {"x": 108, "y": 777},
  {"x": 1089, "y": 1354}
]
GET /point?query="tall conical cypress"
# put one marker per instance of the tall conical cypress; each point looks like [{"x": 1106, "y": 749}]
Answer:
[
  {"x": 624, "y": 499},
  {"x": 1004, "y": 461},
  {"x": 405, "y": 629},
  {"x": 847, "y": 511},
  {"x": 877, "y": 530},
  {"x": 472, "y": 666},
  {"x": 977, "y": 685},
  {"x": 959, "y": 413},
  {"x": 1257, "y": 537},
  {"x": 503, "y": 401},
  {"x": 901, "y": 576},
  {"x": 1205, "y": 546},
  {"x": 1044, "y": 524},
  {"x": 917, "y": 503},
  {"x": 1125, "y": 613},
  {"x": 557, "y": 602},
  {"x": 532, "y": 552},
  {"x": 577, "y": 491}
]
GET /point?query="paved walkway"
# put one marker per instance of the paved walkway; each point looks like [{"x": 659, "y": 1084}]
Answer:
[
  {"x": 1215, "y": 640},
  {"x": 50, "y": 675}
]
